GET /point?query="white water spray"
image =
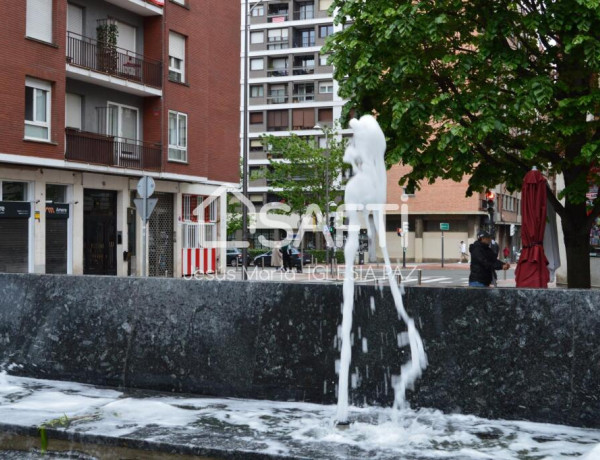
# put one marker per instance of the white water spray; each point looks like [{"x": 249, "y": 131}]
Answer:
[{"x": 366, "y": 192}]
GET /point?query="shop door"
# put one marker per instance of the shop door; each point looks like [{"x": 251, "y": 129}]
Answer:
[
  {"x": 57, "y": 235},
  {"x": 100, "y": 232},
  {"x": 160, "y": 236},
  {"x": 14, "y": 237}
]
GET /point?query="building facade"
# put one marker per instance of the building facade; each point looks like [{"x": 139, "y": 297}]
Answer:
[
  {"x": 97, "y": 94},
  {"x": 290, "y": 85}
]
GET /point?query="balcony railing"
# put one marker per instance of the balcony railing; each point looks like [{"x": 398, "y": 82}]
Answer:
[
  {"x": 304, "y": 70},
  {"x": 303, "y": 14},
  {"x": 303, "y": 97},
  {"x": 278, "y": 43},
  {"x": 304, "y": 42},
  {"x": 277, "y": 17},
  {"x": 277, "y": 99},
  {"x": 111, "y": 151},
  {"x": 277, "y": 73},
  {"x": 98, "y": 56}
]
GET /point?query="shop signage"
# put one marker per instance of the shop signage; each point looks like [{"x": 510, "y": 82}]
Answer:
[
  {"x": 57, "y": 211},
  {"x": 15, "y": 209}
]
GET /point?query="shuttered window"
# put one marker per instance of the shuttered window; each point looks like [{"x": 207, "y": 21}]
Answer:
[
  {"x": 39, "y": 19},
  {"x": 176, "y": 57},
  {"x": 303, "y": 118},
  {"x": 56, "y": 245},
  {"x": 14, "y": 245}
]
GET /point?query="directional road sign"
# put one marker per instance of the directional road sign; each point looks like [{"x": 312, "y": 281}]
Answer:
[{"x": 146, "y": 186}]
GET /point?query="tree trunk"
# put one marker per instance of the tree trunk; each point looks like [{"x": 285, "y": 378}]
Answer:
[{"x": 577, "y": 244}]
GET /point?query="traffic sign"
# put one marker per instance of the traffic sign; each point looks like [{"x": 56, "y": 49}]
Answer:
[
  {"x": 139, "y": 205},
  {"x": 444, "y": 227},
  {"x": 146, "y": 186}
]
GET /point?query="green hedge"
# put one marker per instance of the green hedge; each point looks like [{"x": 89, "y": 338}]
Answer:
[{"x": 319, "y": 255}]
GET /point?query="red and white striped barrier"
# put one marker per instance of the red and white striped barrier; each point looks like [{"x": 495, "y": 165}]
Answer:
[{"x": 199, "y": 260}]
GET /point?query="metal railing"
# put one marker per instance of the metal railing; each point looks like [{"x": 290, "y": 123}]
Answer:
[
  {"x": 277, "y": 17},
  {"x": 303, "y": 97},
  {"x": 98, "y": 56},
  {"x": 198, "y": 234},
  {"x": 111, "y": 151},
  {"x": 277, "y": 73},
  {"x": 303, "y": 14},
  {"x": 277, "y": 99},
  {"x": 304, "y": 43},
  {"x": 304, "y": 70},
  {"x": 277, "y": 43}
]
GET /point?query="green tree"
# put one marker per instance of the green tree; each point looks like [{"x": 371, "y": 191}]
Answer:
[
  {"x": 486, "y": 88},
  {"x": 300, "y": 171}
]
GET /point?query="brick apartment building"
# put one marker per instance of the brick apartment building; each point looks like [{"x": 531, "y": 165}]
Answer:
[
  {"x": 96, "y": 94},
  {"x": 445, "y": 202}
]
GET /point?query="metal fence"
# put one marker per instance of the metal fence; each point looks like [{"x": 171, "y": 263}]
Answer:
[
  {"x": 99, "y": 56},
  {"x": 198, "y": 234},
  {"x": 112, "y": 151}
]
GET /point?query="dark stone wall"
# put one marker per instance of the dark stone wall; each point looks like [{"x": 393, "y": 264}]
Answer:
[{"x": 498, "y": 353}]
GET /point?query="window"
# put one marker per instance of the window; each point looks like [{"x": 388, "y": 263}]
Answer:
[
  {"x": 326, "y": 115},
  {"x": 257, "y": 91},
  {"x": 305, "y": 38},
  {"x": 305, "y": 11},
  {"x": 177, "y": 136},
  {"x": 277, "y": 39},
  {"x": 304, "y": 92},
  {"x": 257, "y": 37},
  {"x": 325, "y": 4},
  {"x": 256, "y": 144},
  {"x": 325, "y": 31},
  {"x": 180, "y": 2},
  {"x": 323, "y": 59},
  {"x": 277, "y": 94},
  {"x": 39, "y": 20},
  {"x": 13, "y": 191},
  {"x": 277, "y": 120},
  {"x": 56, "y": 193},
  {"x": 409, "y": 191},
  {"x": 326, "y": 87},
  {"x": 303, "y": 118},
  {"x": 278, "y": 67},
  {"x": 257, "y": 64},
  {"x": 176, "y": 57},
  {"x": 73, "y": 106},
  {"x": 256, "y": 118},
  {"x": 258, "y": 11},
  {"x": 37, "y": 109}
]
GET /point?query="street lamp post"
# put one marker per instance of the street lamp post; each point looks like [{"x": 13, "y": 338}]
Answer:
[
  {"x": 326, "y": 132},
  {"x": 248, "y": 12}
]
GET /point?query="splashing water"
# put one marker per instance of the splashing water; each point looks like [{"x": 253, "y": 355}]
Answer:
[{"x": 366, "y": 192}]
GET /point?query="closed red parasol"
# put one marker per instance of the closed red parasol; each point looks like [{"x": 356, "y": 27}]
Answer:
[{"x": 532, "y": 270}]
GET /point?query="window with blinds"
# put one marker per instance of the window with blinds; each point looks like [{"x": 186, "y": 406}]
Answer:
[
  {"x": 39, "y": 20},
  {"x": 176, "y": 57}
]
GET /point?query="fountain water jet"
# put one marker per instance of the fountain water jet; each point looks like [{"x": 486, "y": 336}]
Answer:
[{"x": 366, "y": 192}]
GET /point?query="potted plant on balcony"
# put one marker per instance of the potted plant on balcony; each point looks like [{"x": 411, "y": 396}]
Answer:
[{"x": 106, "y": 34}]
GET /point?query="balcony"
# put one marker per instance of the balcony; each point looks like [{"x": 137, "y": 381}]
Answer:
[
  {"x": 304, "y": 14},
  {"x": 304, "y": 70},
  {"x": 277, "y": 73},
  {"x": 90, "y": 54},
  {"x": 278, "y": 43},
  {"x": 281, "y": 16},
  {"x": 105, "y": 150},
  {"x": 277, "y": 99},
  {"x": 303, "y": 97},
  {"x": 141, "y": 7},
  {"x": 304, "y": 42}
]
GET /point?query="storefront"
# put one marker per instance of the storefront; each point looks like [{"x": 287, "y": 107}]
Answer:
[
  {"x": 100, "y": 232},
  {"x": 15, "y": 235}
]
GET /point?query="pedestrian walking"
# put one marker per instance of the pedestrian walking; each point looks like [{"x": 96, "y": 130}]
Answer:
[
  {"x": 463, "y": 253},
  {"x": 276, "y": 257},
  {"x": 484, "y": 261},
  {"x": 287, "y": 258}
]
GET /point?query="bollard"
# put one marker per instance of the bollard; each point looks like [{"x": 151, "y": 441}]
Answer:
[
  {"x": 419, "y": 275},
  {"x": 262, "y": 262},
  {"x": 398, "y": 278}
]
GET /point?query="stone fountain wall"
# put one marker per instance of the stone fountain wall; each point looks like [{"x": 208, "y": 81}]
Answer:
[{"x": 498, "y": 353}]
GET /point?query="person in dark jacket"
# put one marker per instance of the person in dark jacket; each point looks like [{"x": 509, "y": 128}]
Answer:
[{"x": 484, "y": 261}]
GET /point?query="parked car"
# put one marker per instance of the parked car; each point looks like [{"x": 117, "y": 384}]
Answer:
[
  {"x": 296, "y": 256},
  {"x": 234, "y": 257}
]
